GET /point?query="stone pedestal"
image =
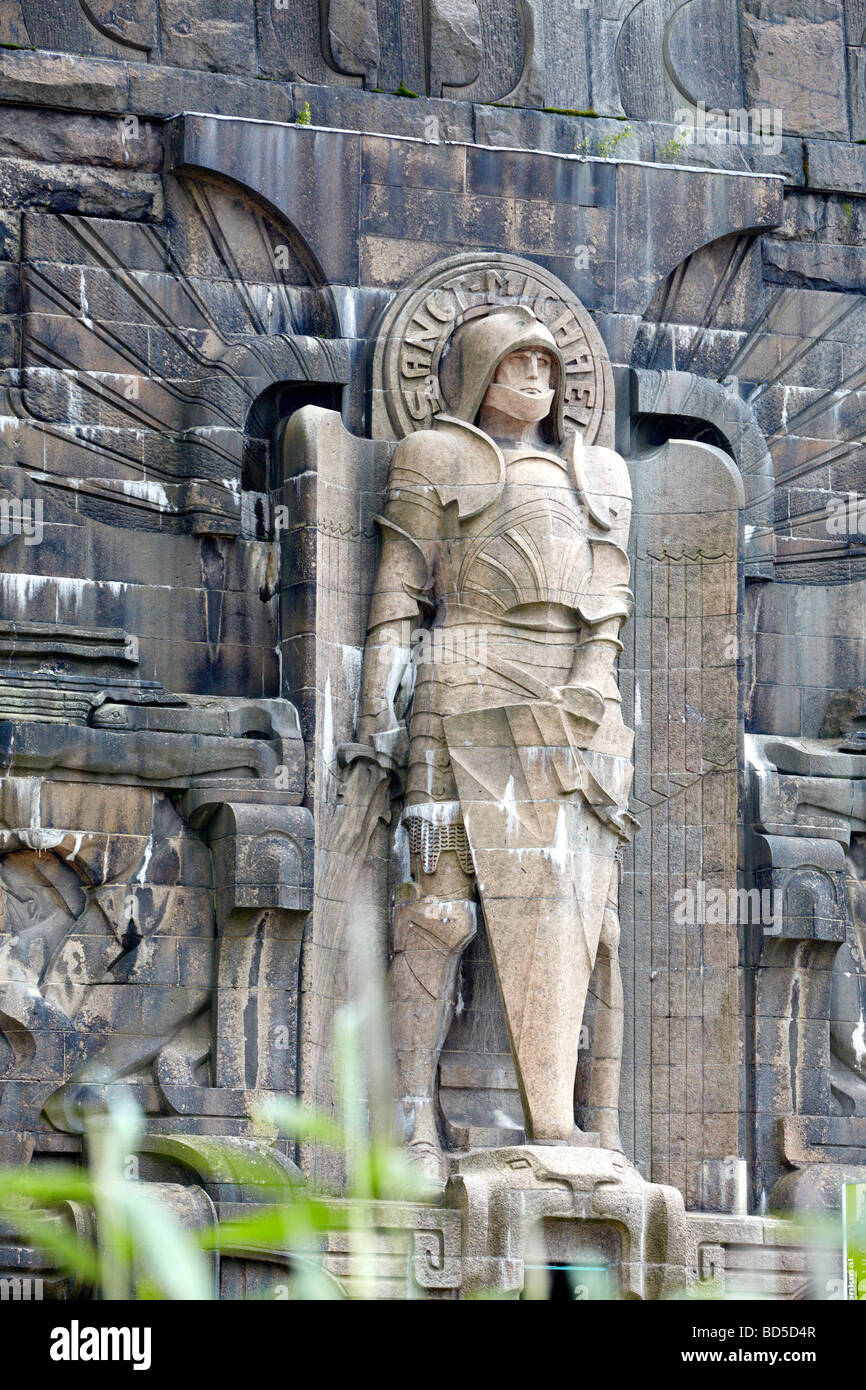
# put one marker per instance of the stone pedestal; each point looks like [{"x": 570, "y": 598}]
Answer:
[{"x": 551, "y": 1205}]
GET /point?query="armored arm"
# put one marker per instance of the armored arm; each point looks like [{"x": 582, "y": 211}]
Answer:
[
  {"x": 395, "y": 611},
  {"x": 402, "y": 599},
  {"x": 602, "y": 479}
]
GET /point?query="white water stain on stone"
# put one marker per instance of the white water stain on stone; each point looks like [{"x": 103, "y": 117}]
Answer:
[
  {"x": 329, "y": 750},
  {"x": 148, "y": 854},
  {"x": 76, "y": 847},
  {"x": 438, "y": 812},
  {"x": 82, "y": 300},
  {"x": 508, "y": 805},
  {"x": 22, "y": 589},
  {"x": 41, "y": 840},
  {"x": 755, "y": 757},
  {"x": 401, "y": 852},
  {"x": 558, "y": 853},
  {"x": 146, "y": 491},
  {"x": 352, "y": 659}
]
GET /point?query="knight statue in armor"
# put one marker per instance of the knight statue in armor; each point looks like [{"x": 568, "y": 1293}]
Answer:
[{"x": 489, "y": 681}]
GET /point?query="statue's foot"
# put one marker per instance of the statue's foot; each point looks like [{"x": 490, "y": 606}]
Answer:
[
  {"x": 431, "y": 1162},
  {"x": 423, "y": 1143},
  {"x": 609, "y": 1136}
]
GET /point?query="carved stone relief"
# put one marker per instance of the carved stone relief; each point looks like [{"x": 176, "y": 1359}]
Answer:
[
  {"x": 810, "y": 818},
  {"x": 484, "y": 787},
  {"x": 419, "y": 323},
  {"x": 410, "y": 667}
]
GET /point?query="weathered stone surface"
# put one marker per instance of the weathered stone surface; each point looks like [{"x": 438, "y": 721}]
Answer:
[
  {"x": 844, "y": 168},
  {"x": 454, "y": 45},
  {"x": 208, "y": 368},
  {"x": 748, "y": 201},
  {"x": 13, "y": 30},
  {"x": 10, "y": 235},
  {"x": 792, "y": 56},
  {"x": 52, "y": 138},
  {"x": 353, "y": 35},
  {"x": 202, "y": 34},
  {"x": 556, "y": 72},
  {"x": 703, "y": 54},
  {"x": 501, "y": 1193},
  {"x": 286, "y": 173},
  {"x": 70, "y": 188},
  {"x": 420, "y": 118},
  {"x": 165, "y": 91},
  {"x": 58, "y": 80},
  {"x": 103, "y": 27}
]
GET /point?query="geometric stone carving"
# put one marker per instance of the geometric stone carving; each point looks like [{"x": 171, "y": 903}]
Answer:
[
  {"x": 441, "y": 49},
  {"x": 28, "y": 642},
  {"x": 354, "y": 39},
  {"x": 810, "y": 975},
  {"x": 668, "y": 57},
  {"x": 455, "y": 52},
  {"x": 263, "y": 871},
  {"x": 123, "y": 31},
  {"x": 749, "y": 1257},
  {"x": 508, "y": 1197},
  {"x": 416, "y": 1252},
  {"x": 173, "y": 419},
  {"x": 679, "y": 674}
]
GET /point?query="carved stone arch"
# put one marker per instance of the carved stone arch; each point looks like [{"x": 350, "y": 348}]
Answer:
[
  {"x": 265, "y": 426},
  {"x": 669, "y": 405},
  {"x": 668, "y": 49},
  {"x": 243, "y": 238},
  {"x": 716, "y": 288},
  {"x": 146, "y": 349},
  {"x": 810, "y": 895},
  {"x": 735, "y": 337},
  {"x": 698, "y": 335}
]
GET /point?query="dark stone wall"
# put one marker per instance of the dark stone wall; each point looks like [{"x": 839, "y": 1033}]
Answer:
[{"x": 205, "y": 207}]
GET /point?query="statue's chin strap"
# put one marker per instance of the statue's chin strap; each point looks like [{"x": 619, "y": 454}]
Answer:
[{"x": 518, "y": 404}]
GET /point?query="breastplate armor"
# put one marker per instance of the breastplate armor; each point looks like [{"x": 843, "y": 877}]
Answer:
[{"x": 531, "y": 547}]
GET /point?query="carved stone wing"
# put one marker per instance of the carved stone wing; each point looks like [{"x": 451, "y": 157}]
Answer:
[{"x": 679, "y": 1098}]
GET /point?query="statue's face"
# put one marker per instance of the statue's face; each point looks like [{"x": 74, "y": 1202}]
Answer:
[
  {"x": 521, "y": 389},
  {"x": 528, "y": 372}
]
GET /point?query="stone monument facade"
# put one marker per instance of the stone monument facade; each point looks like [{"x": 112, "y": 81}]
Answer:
[{"x": 431, "y": 473}]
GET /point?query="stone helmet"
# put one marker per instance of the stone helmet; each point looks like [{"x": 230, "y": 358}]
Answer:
[{"x": 475, "y": 352}]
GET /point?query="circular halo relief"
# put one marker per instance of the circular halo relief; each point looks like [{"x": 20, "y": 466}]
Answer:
[{"x": 416, "y": 328}]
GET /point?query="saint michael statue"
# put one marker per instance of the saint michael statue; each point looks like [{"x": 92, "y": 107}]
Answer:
[{"x": 503, "y": 549}]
